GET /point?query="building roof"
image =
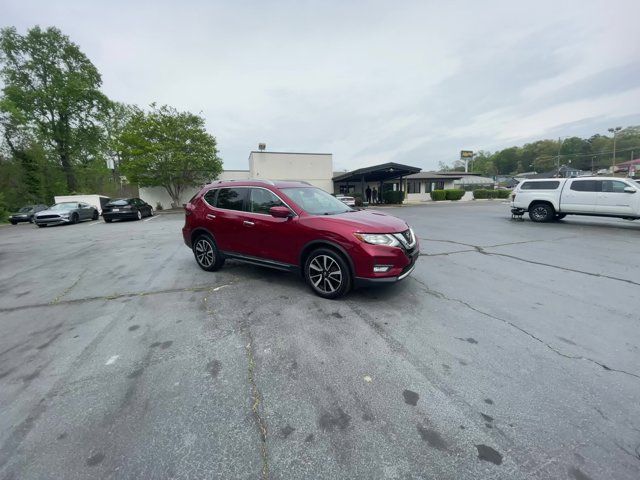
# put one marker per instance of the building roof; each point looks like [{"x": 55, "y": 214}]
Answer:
[
  {"x": 628, "y": 163},
  {"x": 288, "y": 153},
  {"x": 433, "y": 176},
  {"x": 377, "y": 173}
]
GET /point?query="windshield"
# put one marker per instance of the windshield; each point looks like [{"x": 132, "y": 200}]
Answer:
[
  {"x": 25, "y": 209},
  {"x": 64, "y": 206},
  {"x": 316, "y": 201}
]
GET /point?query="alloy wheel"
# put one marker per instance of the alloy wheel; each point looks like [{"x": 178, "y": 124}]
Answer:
[
  {"x": 204, "y": 253},
  {"x": 325, "y": 274}
]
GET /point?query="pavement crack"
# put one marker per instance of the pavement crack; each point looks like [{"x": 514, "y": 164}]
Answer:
[
  {"x": 68, "y": 289},
  {"x": 256, "y": 396},
  {"x": 442, "y": 296},
  {"x": 482, "y": 250},
  {"x": 116, "y": 296}
]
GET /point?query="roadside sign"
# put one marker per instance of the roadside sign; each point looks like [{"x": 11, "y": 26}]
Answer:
[{"x": 466, "y": 154}]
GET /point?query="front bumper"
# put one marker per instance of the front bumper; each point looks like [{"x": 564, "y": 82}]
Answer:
[
  {"x": 52, "y": 221},
  {"x": 19, "y": 218},
  {"x": 403, "y": 262}
]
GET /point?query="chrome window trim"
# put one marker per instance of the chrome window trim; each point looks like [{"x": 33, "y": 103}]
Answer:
[{"x": 244, "y": 211}]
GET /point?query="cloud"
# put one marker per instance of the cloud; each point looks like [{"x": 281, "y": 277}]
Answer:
[{"x": 412, "y": 82}]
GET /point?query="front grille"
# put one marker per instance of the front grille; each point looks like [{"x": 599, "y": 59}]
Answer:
[
  {"x": 407, "y": 236},
  {"x": 45, "y": 217}
]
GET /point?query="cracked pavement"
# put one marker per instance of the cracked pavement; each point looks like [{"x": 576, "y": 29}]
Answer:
[{"x": 513, "y": 351}]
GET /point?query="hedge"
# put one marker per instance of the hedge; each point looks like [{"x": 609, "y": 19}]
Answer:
[
  {"x": 481, "y": 194},
  {"x": 391, "y": 196},
  {"x": 454, "y": 194},
  {"x": 438, "y": 195}
]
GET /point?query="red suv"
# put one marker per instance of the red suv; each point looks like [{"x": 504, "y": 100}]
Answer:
[{"x": 295, "y": 226}]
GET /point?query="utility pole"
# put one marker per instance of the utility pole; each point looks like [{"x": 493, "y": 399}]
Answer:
[
  {"x": 613, "y": 161},
  {"x": 558, "y": 159}
]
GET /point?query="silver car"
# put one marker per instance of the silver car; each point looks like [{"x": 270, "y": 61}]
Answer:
[{"x": 66, "y": 212}]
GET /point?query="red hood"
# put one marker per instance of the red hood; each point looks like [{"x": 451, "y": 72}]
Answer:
[{"x": 367, "y": 221}]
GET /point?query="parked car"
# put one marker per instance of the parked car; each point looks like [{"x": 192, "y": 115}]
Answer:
[
  {"x": 294, "y": 226},
  {"x": 347, "y": 200},
  {"x": 555, "y": 198},
  {"x": 25, "y": 214},
  {"x": 66, "y": 212},
  {"x": 126, "y": 208}
]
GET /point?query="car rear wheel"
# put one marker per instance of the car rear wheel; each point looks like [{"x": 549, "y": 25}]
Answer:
[
  {"x": 40, "y": 225},
  {"x": 207, "y": 254},
  {"x": 541, "y": 212},
  {"x": 327, "y": 273},
  {"x": 108, "y": 220},
  {"x": 151, "y": 211},
  {"x": 139, "y": 215},
  {"x": 13, "y": 223}
]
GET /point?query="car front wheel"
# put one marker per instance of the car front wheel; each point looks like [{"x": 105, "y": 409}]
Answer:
[
  {"x": 541, "y": 212},
  {"x": 207, "y": 254},
  {"x": 95, "y": 215},
  {"x": 327, "y": 273}
]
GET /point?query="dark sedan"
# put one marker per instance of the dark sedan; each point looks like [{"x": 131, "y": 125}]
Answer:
[
  {"x": 66, "y": 212},
  {"x": 126, "y": 208},
  {"x": 25, "y": 214}
]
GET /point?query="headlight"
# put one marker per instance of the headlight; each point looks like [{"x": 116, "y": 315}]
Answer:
[{"x": 378, "y": 239}]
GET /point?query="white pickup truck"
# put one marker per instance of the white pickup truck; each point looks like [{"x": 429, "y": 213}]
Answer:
[{"x": 554, "y": 198}]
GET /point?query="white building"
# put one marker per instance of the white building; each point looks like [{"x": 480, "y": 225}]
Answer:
[{"x": 315, "y": 168}]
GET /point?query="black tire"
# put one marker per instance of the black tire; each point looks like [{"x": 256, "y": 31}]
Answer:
[
  {"x": 31, "y": 220},
  {"x": 108, "y": 220},
  {"x": 96, "y": 215},
  {"x": 560, "y": 216},
  {"x": 40, "y": 225},
  {"x": 541, "y": 212},
  {"x": 13, "y": 223},
  {"x": 206, "y": 253},
  {"x": 327, "y": 273},
  {"x": 138, "y": 215},
  {"x": 75, "y": 218},
  {"x": 151, "y": 211}
]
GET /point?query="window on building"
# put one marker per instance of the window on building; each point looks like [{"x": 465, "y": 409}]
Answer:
[
  {"x": 439, "y": 185},
  {"x": 413, "y": 186}
]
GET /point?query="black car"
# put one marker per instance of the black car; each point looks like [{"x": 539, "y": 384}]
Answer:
[
  {"x": 25, "y": 214},
  {"x": 122, "y": 208}
]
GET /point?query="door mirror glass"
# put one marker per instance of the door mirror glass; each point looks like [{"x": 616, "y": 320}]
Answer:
[{"x": 280, "y": 212}]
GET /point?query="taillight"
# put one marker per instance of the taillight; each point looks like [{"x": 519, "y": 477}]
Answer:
[{"x": 513, "y": 196}]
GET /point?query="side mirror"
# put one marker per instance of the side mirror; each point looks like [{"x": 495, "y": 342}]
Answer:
[
  {"x": 629, "y": 190},
  {"x": 280, "y": 212}
]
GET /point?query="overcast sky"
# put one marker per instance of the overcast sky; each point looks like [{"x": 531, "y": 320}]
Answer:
[{"x": 370, "y": 82}]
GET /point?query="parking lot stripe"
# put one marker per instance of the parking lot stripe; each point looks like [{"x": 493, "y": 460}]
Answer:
[
  {"x": 150, "y": 218},
  {"x": 95, "y": 223},
  {"x": 112, "y": 360}
]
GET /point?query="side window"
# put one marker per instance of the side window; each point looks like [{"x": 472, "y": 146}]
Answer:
[
  {"x": 585, "y": 186},
  {"x": 209, "y": 197},
  {"x": 262, "y": 200},
  {"x": 613, "y": 186},
  {"x": 231, "y": 198},
  {"x": 550, "y": 185}
]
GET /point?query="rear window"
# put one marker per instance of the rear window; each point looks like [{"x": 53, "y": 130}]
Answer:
[
  {"x": 119, "y": 203},
  {"x": 550, "y": 185},
  {"x": 585, "y": 186}
]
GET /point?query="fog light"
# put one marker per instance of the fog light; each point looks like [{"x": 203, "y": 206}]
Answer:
[{"x": 381, "y": 268}]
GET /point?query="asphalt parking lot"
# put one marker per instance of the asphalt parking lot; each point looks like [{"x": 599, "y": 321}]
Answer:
[{"x": 513, "y": 351}]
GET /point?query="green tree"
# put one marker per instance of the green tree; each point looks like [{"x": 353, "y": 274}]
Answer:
[
  {"x": 52, "y": 90},
  {"x": 169, "y": 149}
]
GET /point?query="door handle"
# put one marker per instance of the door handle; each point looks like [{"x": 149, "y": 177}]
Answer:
[
  {"x": 210, "y": 216},
  {"x": 247, "y": 223}
]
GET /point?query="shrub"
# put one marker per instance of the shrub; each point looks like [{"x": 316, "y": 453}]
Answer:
[
  {"x": 437, "y": 195},
  {"x": 503, "y": 193},
  {"x": 159, "y": 206},
  {"x": 391, "y": 196},
  {"x": 481, "y": 193},
  {"x": 454, "y": 194},
  {"x": 358, "y": 201}
]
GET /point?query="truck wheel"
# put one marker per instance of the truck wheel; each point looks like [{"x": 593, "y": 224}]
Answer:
[{"x": 541, "y": 212}]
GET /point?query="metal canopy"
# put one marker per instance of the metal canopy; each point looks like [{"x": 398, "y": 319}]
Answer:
[{"x": 377, "y": 173}]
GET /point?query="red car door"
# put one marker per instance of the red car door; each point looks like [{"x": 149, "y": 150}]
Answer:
[
  {"x": 224, "y": 218},
  {"x": 270, "y": 238}
]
